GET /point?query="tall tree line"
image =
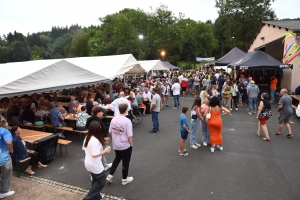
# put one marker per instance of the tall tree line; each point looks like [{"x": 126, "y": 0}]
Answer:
[{"x": 181, "y": 38}]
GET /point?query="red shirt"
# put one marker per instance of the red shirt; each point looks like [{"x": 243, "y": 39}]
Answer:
[{"x": 184, "y": 83}]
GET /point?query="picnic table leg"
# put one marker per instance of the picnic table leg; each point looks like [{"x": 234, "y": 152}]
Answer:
[
  {"x": 60, "y": 151},
  {"x": 80, "y": 139}
]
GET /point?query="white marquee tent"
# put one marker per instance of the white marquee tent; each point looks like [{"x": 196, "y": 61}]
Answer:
[
  {"x": 51, "y": 75},
  {"x": 153, "y": 65}
]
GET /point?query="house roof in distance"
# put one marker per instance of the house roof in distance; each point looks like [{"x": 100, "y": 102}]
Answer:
[{"x": 290, "y": 24}]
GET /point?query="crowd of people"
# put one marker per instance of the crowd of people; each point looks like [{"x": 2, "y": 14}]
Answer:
[{"x": 216, "y": 94}]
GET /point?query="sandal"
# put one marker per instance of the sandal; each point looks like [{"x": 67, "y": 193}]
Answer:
[
  {"x": 30, "y": 172},
  {"x": 266, "y": 139},
  {"x": 42, "y": 166},
  {"x": 289, "y": 135},
  {"x": 277, "y": 134}
]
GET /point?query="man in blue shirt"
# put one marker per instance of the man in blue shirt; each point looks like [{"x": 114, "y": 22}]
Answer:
[
  {"x": 6, "y": 148},
  {"x": 57, "y": 119}
]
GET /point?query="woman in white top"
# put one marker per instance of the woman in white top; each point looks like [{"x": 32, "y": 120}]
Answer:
[
  {"x": 235, "y": 95},
  {"x": 215, "y": 91},
  {"x": 204, "y": 93},
  {"x": 93, "y": 147}
]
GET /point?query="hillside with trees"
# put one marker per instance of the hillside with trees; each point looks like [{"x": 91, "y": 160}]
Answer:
[{"x": 181, "y": 38}]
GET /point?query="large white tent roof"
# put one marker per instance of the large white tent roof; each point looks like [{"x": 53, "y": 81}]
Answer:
[
  {"x": 153, "y": 65},
  {"x": 46, "y": 75}
]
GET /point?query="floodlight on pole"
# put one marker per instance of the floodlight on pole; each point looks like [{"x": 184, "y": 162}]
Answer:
[
  {"x": 141, "y": 37},
  {"x": 163, "y": 53}
]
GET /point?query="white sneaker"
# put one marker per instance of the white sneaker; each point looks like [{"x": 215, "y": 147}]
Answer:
[
  {"x": 7, "y": 194},
  {"x": 129, "y": 179},
  {"x": 108, "y": 166},
  {"x": 174, "y": 108},
  {"x": 212, "y": 149},
  {"x": 109, "y": 178},
  {"x": 183, "y": 154},
  {"x": 61, "y": 135},
  {"x": 197, "y": 144},
  {"x": 194, "y": 146},
  {"x": 220, "y": 147},
  {"x": 236, "y": 109},
  {"x": 231, "y": 109},
  {"x": 205, "y": 144},
  {"x": 184, "y": 150}
]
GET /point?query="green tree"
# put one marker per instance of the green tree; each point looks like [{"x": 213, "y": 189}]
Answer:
[
  {"x": 79, "y": 46},
  {"x": 39, "y": 53},
  {"x": 18, "y": 51},
  {"x": 244, "y": 17},
  {"x": 58, "y": 48}
]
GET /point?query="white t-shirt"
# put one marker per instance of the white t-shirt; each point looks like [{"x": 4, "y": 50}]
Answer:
[
  {"x": 114, "y": 106},
  {"x": 1, "y": 119},
  {"x": 93, "y": 164},
  {"x": 147, "y": 95},
  {"x": 180, "y": 78},
  {"x": 176, "y": 89}
]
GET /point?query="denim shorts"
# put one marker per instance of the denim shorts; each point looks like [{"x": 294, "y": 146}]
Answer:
[{"x": 184, "y": 135}]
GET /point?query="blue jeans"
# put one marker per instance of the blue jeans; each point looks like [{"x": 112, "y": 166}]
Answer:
[
  {"x": 155, "y": 120},
  {"x": 6, "y": 175},
  {"x": 176, "y": 101},
  {"x": 98, "y": 183},
  {"x": 205, "y": 132},
  {"x": 272, "y": 95},
  {"x": 252, "y": 102},
  {"x": 194, "y": 126}
]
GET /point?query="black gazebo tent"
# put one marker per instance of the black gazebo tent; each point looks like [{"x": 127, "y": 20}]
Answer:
[
  {"x": 170, "y": 66},
  {"x": 231, "y": 56},
  {"x": 257, "y": 60}
]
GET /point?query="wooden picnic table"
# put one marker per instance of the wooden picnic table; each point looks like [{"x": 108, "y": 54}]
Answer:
[
  {"x": 3, "y": 110},
  {"x": 297, "y": 97},
  {"x": 32, "y": 136}
]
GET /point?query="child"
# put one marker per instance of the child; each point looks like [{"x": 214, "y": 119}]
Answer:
[{"x": 184, "y": 130}]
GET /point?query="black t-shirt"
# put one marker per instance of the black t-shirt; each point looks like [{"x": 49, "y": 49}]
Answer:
[{"x": 221, "y": 82}]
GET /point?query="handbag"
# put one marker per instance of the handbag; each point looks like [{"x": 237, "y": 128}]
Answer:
[
  {"x": 193, "y": 113},
  {"x": 208, "y": 115}
]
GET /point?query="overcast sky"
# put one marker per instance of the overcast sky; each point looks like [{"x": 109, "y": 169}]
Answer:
[{"x": 40, "y": 15}]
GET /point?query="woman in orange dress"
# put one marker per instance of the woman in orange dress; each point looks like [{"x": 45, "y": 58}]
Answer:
[{"x": 215, "y": 123}]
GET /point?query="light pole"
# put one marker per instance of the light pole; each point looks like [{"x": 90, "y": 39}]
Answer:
[
  {"x": 232, "y": 42},
  {"x": 163, "y": 53},
  {"x": 140, "y": 38}
]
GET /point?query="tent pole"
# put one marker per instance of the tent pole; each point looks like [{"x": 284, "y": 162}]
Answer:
[
  {"x": 124, "y": 81},
  {"x": 111, "y": 90},
  {"x": 80, "y": 93},
  {"x": 55, "y": 96}
]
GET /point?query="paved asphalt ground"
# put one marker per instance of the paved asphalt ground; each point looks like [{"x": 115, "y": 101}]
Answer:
[{"x": 248, "y": 168}]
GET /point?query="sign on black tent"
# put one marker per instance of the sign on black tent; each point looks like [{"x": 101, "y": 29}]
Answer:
[{"x": 257, "y": 60}]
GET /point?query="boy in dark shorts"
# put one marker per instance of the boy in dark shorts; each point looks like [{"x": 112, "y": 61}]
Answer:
[{"x": 184, "y": 130}]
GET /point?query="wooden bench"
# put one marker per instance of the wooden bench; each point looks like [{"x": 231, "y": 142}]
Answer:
[
  {"x": 26, "y": 125},
  {"x": 66, "y": 128},
  {"x": 109, "y": 117},
  {"x": 64, "y": 143},
  {"x": 21, "y": 166},
  {"x": 31, "y": 126}
]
